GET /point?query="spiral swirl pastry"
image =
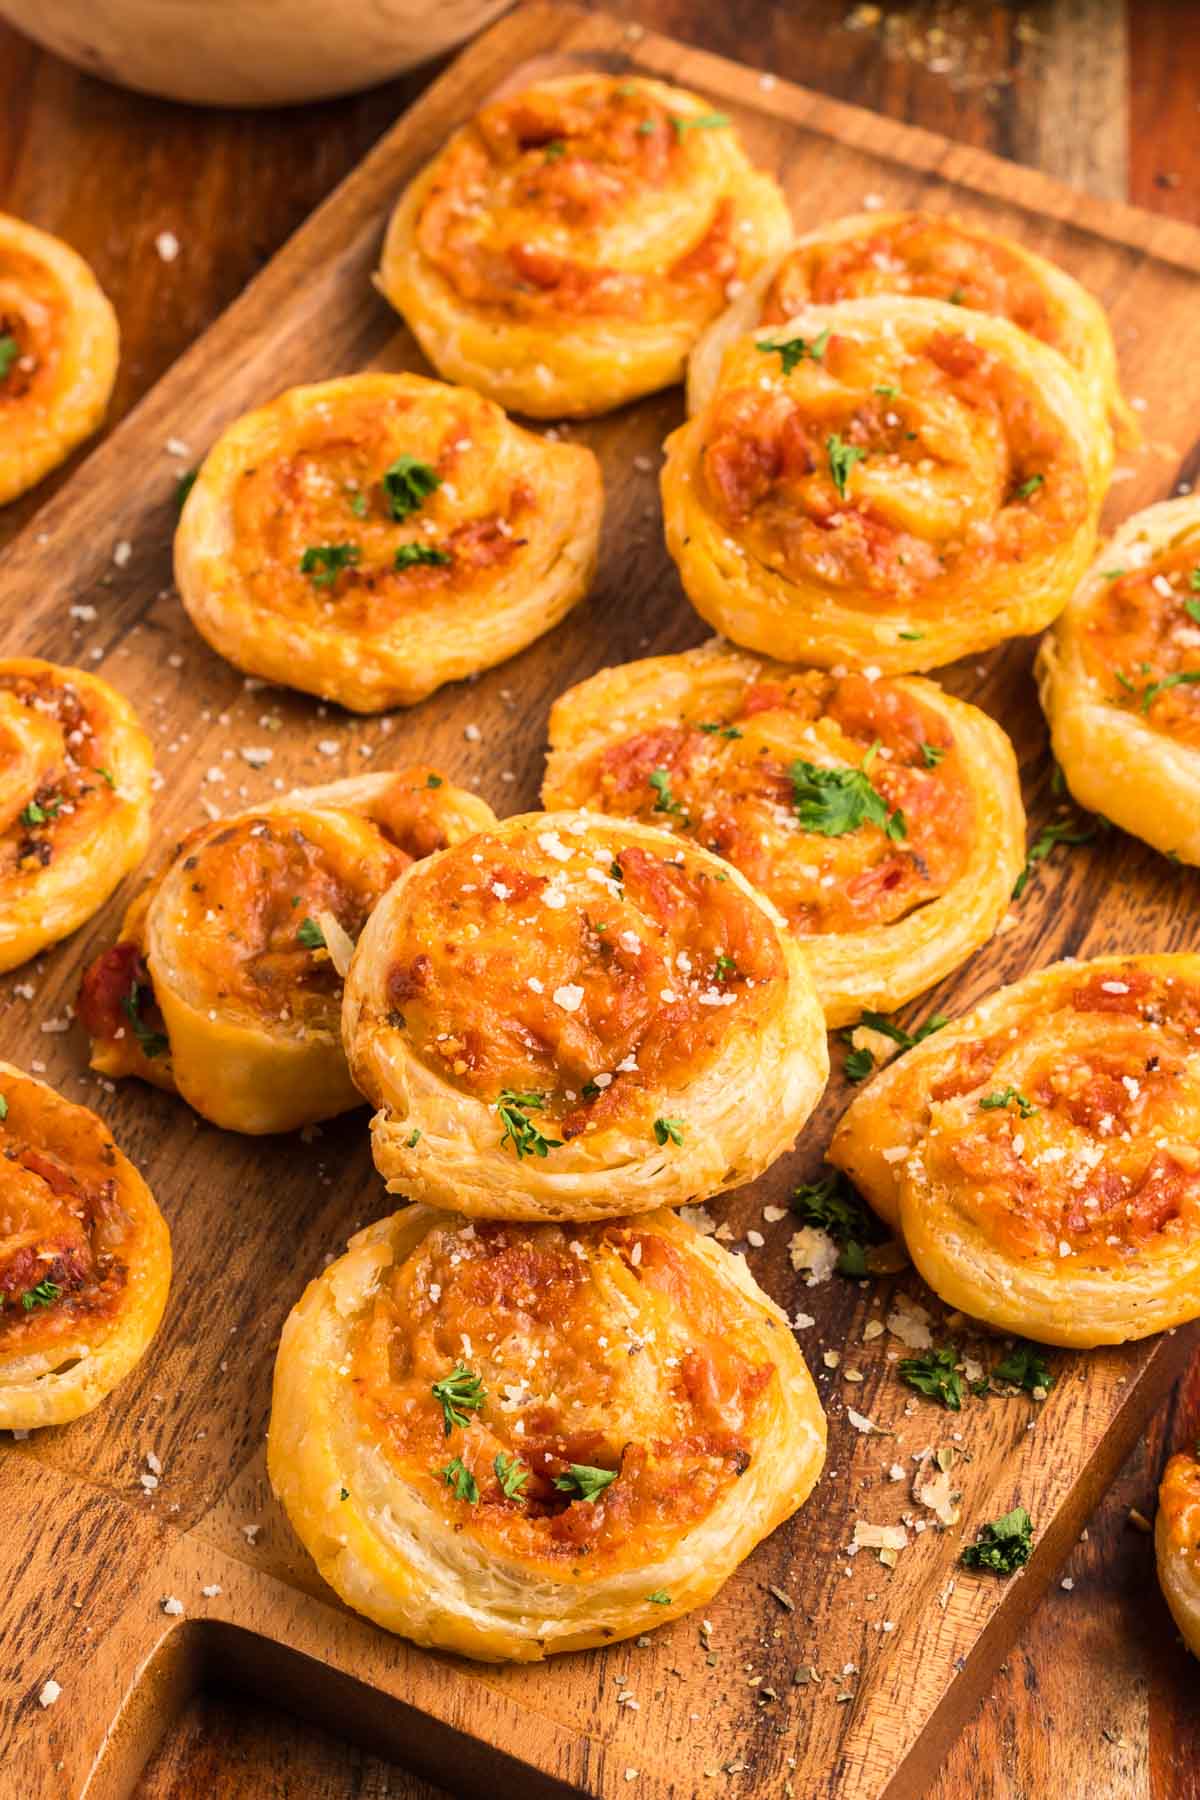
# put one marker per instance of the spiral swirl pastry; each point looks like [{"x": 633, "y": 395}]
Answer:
[
  {"x": 565, "y": 250},
  {"x": 58, "y": 354},
  {"x": 928, "y": 256},
  {"x": 226, "y": 983},
  {"x": 1120, "y": 680},
  {"x": 573, "y": 1017},
  {"x": 1039, "y": 1154},
  {"x": 85, "y": 1258},
  {"x": 371, "y": 538},
  {"x": 883, "y": 818},
  {"x": 1177, "y": 1544},
  {"x": 508, "y": 1440},
  {"x": 887, "y": 482},
  {"x": 75, "y": 770}
]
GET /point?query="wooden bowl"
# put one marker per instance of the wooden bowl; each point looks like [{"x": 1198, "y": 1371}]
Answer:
[{"x": 248, "y": 52}]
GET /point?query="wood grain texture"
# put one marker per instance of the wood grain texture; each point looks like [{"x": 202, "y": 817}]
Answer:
[{"x": 187, "y": 1391}]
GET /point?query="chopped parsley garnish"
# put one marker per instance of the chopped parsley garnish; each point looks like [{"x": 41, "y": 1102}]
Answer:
[
  {"x": 344, "y": 1494},
  {"x": 1194, "y": 580},
  {"x": 44, "y": 1294},
  {"x": 932, "y": 754},
  {"x": 323, "y": 563},
  {"x": 794, "y": 350},
  {"x": 835, "y": 801},
  {"x": 1066, "y": 831},
  {"x": 107, "y": 775},
  {"x": 1113, "y": 574},
  {"x": 1005, "y": 1097},
  {"x": 1181, "y": 678},
  {"x": 413, "y": 1138},
  {"x": 33, "y": 814},
  {"x": 519, "y": 1129},
  {"x": 1031, "y": 486},
  {"x": 584, "y": 1482},
  {"x": 3, "y": 1107},
  {"x": 833, "y": 1206},
  {"x": 1025, "y": 1367},
  {"x": 614, "y": 870},
  {"x": 1192, "y": 607},
  {"x": 933, "y": 1373},
  {"x": 712, "y": 121},
  {"x": 859, "y": 1063},
  {"x": 659, "y": 1597},
  {"x": 956, "y": 296},
  {"x": 725, "y": 731},
  {"x": 512, "y": 1475},
  {"x": 886, "y": 391},
  {"x": 842, "y": 458},
  {"x": 553, "y": 150},
  {"x": 10, "y": 350},
  {"x": 458, "y": 1395},
  {"x": 726, "y": 967},
  {"x": 408, "y": 483},
  {"x": 668, "y": 1131},
  {"x": 456, "y": 1475},
  {"x": 151, "y": 1043},
  {"x": 1004, "y": 1546},
  {"x": 660, "y": 781},
  {"x": 358, "y": 502},
  {"x": 309, "y": 933},
  {"x": 184, "y": 486},
  {"x": 409, "y": 555},
  {"x": 433, "y": 781},
  {"x": 912, "y": 637}
]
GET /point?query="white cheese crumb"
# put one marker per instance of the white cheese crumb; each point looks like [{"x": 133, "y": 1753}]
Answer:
[
  {"x": 167, "y": 245},
  {"x": 813, "y": 1252},
  {"x": 172, "y": 1606},
  {"x": 50, "y": 1692},
  {"x": 211, "y": 1591},
  {"x": 569, "y": 997}
]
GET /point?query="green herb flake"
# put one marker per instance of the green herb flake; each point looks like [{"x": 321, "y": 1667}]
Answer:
[
  {"x": 408, "y": 483},
  {"x": 456, "y": 1475},
  {"x": 1025, "y": 1367},
  {"x": 323, "y": 563},
  {"x": 886, "y": 391},
  {"x": 714, "y": 730},
  {"x": 35, "y": 814},
  {"x": 1181, "y": 678},
  {"x": 151, "y": 1043},
  {"x": 10, "y": 351},
  {"x": 932, "y": 754},
  {"x": 554, "y": 150},
  {"x": 660, "y": 781},
  {"x": 107, "y": 775},
  {"x": 1005, "y": 1097},
  {"x": 3, "y": 1107},
  {"x": 309, "y": 933},
  {"x": 912, "y": 637},
  {"x": 44, "y": 1294},
  {"x": 1064, "y": 831},
  {"x": 413, "y": 1138},
  {"x": 712, "y": 121},
  {"x": 726, "y": 967},
  {"x": 794, "y": 350},
  {"x": 858, "y": 1064},
  {"x": 832, "y": 802},
  {"x": 933, "y": 1374},
  {"x": 434, "y": 781},
  {"x": 408, "y": 556},
  {"x": 458, "y": 1394},
  {"x": 512, "y": 1475},
  {"x": 344, "y": 1494},
  {"x": 1031, "y": 486},
  {"x": 584, "y": 1482},
  {"x": 834, "y": 1207},
  {"x": 842, "y": 458},
  {"x": 668, "y": 1130},
  {"x": 514, "y": 1109},
  {"x": 1002, "y": 1547},
  {"x": 1192, "y": 608},
  {"x": 358, "y": 502},
  {"x": 659, "y": 1597}
]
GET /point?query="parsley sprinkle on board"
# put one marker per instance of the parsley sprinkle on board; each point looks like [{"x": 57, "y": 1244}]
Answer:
[
  {"x": 410, "y": 556},
  {"x": 832, "y": 802},
  {"x": 860, "y": 1062},
  {"x": 834, "y": 1207},
  {"x": 309, "y": 933},
  {"x": 794, "y": 350},
  {"x": 323, "y": 563},
  {"x": 934, "y": 1374},
  {"x": 408, "y": 483},
  {"x": 458, "y": 1394},
  {"x": 584, "y": 1482},
  {"x": 519, "y": 1129},
  {"x": 1002, "y": 1547},
  {"x": 1065, "y": 831},
  {"x": 1025, "y": 1367},
  {"x": 456, "y": 1475},
  {"x": 842, "y": 458}
]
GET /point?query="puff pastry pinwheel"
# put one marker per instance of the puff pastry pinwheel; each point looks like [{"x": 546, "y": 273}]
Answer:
[
  {"x": 1039, "y": 1154},
  {"x": 883, "y": 818},
  {"x": 931, "y": 256},
  {"x": 510, "y": 1440},
  {"x": 886, "y": 482},
  {"x": 1177, "y": 1544},
  {"x": 58, "y": 354},
  {"x": 573, "y": 1017},
  {"x": 1119, "y": 678},
  {"x": 226, "y": 983},
  {"x": 75, "y": 770},
  {"x": 371, "y": 538},
  {"x": 85, "y": 1258},
  {"x": 564, "y": 251}
]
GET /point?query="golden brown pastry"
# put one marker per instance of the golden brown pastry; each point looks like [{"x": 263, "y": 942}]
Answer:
[
  {"x": 564, "y": 251},
  {"x": 85, "y": 1258},
  {"x": 75, "y": 771},
  {"x": 883, "y": 818},
  {"x": 1177, "y": 1544},
  {"x": 371, "y": 538},
  {"x": 889, "y": 482},
  {"x": 1039, "y": 1154},
  {"x": 574, "y": 1017},
  {"x": 510, "y": 1440},
  {"x": 226, "y": 983},
  {"x": 930, "y": 256},
  {"x": 1119, "y": 678},
  {"x": 58, "y": 354}
]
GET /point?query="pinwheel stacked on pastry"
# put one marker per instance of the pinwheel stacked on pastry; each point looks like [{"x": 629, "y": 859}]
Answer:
[
  {"x": 371, "y": 538},
  {"x": 58, "y": 354},
  {"x": 1177, "y": 1543},
  {"x": 930, "y": 256},
  {"x": 883, "y": 818},
  {"x": 509, "y": 1440},
  {"x": 1120, "y": 680},
  {"x": 75, "y": 771},
  {"x": 576, "y": 1017},
  {"x": 226, "y": 983},
  {"x": 1039, "y": 1154},
  {"x": 565, "y": 250},
  {"x": 85, "y": 1258},
  {"x": 888, "y": 483}
]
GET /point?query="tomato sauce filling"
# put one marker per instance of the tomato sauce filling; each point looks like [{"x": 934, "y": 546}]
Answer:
[
  {"x": 728, "y": 786},
  {"x": 33, "y": 315},
  {"x": 929, "y": 258},
  {"x": 580, "y": 970},
  {"x": 64, "y": 1233},
  {"x": 604, "y": 1346},
  {"x": 1141, "y": 639},
  {"x": 1105, "y": 1163},
  {"x": 315, "y": 532},
  {"x": 890, "y": 474},
  {"x": 1179, "y": 1497},
  {"x": 552, "y": 204},
  {"x": 55, "y": 789}
]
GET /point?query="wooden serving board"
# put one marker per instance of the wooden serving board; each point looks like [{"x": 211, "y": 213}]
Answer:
[{"x": 88, "y": 1553}]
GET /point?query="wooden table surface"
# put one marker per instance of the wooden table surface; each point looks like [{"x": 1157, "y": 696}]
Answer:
[{"x": 1098, "y": 1701}]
